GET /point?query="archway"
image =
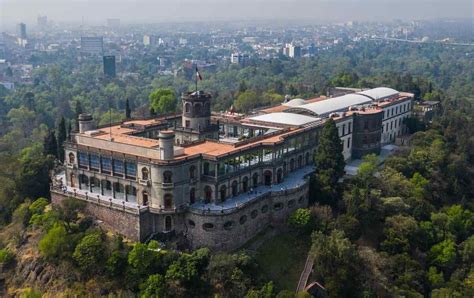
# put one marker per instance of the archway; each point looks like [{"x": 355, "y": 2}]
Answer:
[
  {"x": 279, "y": 175},
  {"x": 268, "y": 177},
  {"x": 235, "y": 188},
  {"x": 245, "y": 184},
  {"x": 192, "y": 196},
  {"x": 207, "y": 194},
  {"x": 223, "y": 193},
  {"x": 168, "y": 223},
  {"x": 255, "y": 180}
]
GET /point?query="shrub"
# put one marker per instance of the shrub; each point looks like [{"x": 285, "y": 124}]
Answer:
[
  {"x": 89, "y": 253},
  {"x": 6, "y": 256},
  {"x": 38, "y": 206},
  {"x": 300, "y": 219},
  {"x": 154, "y": 286},
  {"x": 55, "y": 244}
]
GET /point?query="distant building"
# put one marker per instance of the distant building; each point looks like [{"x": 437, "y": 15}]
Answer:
[
  {"x": 21, "y": 30},
  {"x": 92, "y": 45},
  {"x": 183, "y": 41},
  {"x": 294, "y": 51},
  {"x": 42, "y": 21},
  {"x": 238, "y": 58},
  {"x": 109, "y": 66},
  {"x": 150, "y": 40},
  {"x": 113, "y": 23}
]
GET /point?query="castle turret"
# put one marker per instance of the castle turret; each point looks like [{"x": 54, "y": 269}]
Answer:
[
  {"x": 196, "y": 110},
  {"x": 85, "y": 122},
  {"x": 166, "y": 138}
]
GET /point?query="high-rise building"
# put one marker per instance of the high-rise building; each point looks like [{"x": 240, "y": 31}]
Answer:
[
  {"x": 21, "y": 30},
  {"x": 294, "y": 51},
  {"x": 238, "y": 58},
  {"x": 109, "y": 66},
  {"x": 92, "y": 45},
  {"x": 150, "y": 40}
]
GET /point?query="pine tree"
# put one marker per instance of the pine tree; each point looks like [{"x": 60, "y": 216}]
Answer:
[
  {"x": 61, "y": 138},
  {"x": 128, "y": 111},
  {"x": 50, "y": 145},
  {"x": 329, "y": 162}
]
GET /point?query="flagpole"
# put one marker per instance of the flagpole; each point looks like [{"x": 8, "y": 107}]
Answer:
[{"x": 196, "y": 75}]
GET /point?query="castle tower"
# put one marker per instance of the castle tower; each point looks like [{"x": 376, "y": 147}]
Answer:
[
  {"x": 196, "y": 110},
  {"x": 85, "y": 122},
  {"x": 166, "y": 145}
]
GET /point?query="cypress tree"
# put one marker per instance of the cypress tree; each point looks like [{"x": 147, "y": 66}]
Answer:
[
  {"x": 61, "y": 138},
  {"x": 50, "y": 145},
  {"x": 329, "y": 162},
  {"x": 69, "y": 130},
  {"x": 78, "y": 112},
  {"x": 128, "y": 111}
]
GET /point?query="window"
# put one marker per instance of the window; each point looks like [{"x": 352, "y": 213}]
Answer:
[
  {"x": 206, "y": 168},
  {"x": 106, "y": 164},
  {"x": 192, "y": 172},
  {"x": 187, "y": 107},
  {"x": 255, "y": 180},
  {"x": 168, "y": 201},
  {"x": 192, "y": 196},
  {"x": 264, "y": 209},
  {"x": 350, "y": 127},
  {"x": 118, "y": 167},
  {"x": 223, "y": 193},
  {"x": 300, "y": 161},
  {"x": 254, "y": 214},
  {"x": 144, "y": 173},
  {"x": 235, "y": 188},
  {"x": 279, "y": 175},
  {"x": 207, "y": 194},
  {"x": 131, "y": 190},
  {"x": 191, "y": 223},
  {"x": 228, "y": 225},
  {"x": 343, "y": 129},
  {"x": 108, "y": 185},
  {"x": 245, "y": 184},
  {"x": 197, "y": 109},
  {"x": 348, "y": 142},
  {"x": 72, "y": 158},
  {"x": 168, "y": 223},
  {"x": 187, "y": 123},
  {"x": 278, "y": 206},
  {"x": 145, "y": 198},
  {"x": 292, "y": 164},
  {"x": 83, "y": 160},
  {"x": 83, "y": 179},
  {"x": 94, "y": 162},
  {"x": 307, "y": 158},
  {"x": 243, "y": 219},
  {"x": 268, "y": 178},
  {"x": 131, "y": 169},
  {"x": 208, "y": 226},
  {"x": 167, "y": 177}
]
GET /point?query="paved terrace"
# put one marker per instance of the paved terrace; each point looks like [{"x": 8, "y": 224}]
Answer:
[{"x": 291, "y": 182}]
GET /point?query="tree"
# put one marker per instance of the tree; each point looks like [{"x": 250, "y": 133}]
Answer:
[
  {"x": 55, "y": 244},
  {"x": 141, "y": 259},
  {"x": 300, "y": 219},
  {"x": 154, "y": 286},
  {"x": 246, "y": 101},
  {"x": 128, "y": 111},
  {"x": 163, "y": 101},
  {"x": 50, "y": 145},
  {"x": 329, "y": 163},
  {"x": 337, "y": 262},
  {"x": 89, "y": 253},
  {"x": 38, "y": 206},
  {"x": 443, "y": 254},
  {"x": 62, "y": 136},
  {"x": 400, "y": 232},
  {"x": 116, "y": 264}
]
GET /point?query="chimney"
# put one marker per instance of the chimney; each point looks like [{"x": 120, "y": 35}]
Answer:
[
  {"x": 166, "y": 145},
  {"x": 85, "y": 122}
]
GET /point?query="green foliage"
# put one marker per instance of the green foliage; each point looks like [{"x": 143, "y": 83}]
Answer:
[
  {"x": 89, "y": 253},
  {"x": 111, "y": 117},
  {"x": 30, "y": 293},
  {"x": 435, "y": 278},
  {"x": 443, "y": 254},
  {"x": 400, "y": 232},
  {"x": 338, "y": 263},
  {"x": 116, "y": 264},
  {"x": 163, "y": 101},
  {"x": 6, "y": 257},
  {"x": 265, "y": 292},
  {"x": 329, "y": 163},
  {"x": 246, "y": 101},
  {"x": 154, "y": 286},
  {"x": 300, "y": 219},
  {"x": 141, "y": 259},
  {"x": 55, "y": 244},
  {"x": 38, "y": 206}
]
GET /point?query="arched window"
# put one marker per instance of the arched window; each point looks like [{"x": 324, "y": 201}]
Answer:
[
  {"x": 168, "y": 201},
  {"x": 300, "y": 161},
  {"x": 206, "y": 168},
  {"x": 84, "y": 179},
  {"x": 292, "y": 164},
  {"x": 187, "y": 107},
  {"x": 223, "y": 193},
  {"x": 72, "y": 158},
  {"x": 235, "y": 188},
  {"x": 197, "y": 109},
  {"x": 192, "y": 196},
  {"x": 245, "y": 184},
  {"x": 255, "y": 180},
  {"x": 307, "y": 158},
  {"x": 168, "y": 223},
  {"x": 207, "y": 194},
  {"x": 145, "y": 173},
  {"x": 131, "y": 190},
  {"x": 145, "y": 198},
  {"x": 279, "y": 175},
  {"x": 192, "y": 172},
  {"x": 167, "y": 177},
  {"x": 268, "y": 177}
]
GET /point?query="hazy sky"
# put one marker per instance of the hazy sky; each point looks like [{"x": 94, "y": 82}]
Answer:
[{"x": 145, "y": 11}]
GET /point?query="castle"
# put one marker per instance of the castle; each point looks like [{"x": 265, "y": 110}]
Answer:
[{"x": 217, "y": 179}]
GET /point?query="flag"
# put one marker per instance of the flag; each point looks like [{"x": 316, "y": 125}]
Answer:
[{"x": 198, "y": 75}]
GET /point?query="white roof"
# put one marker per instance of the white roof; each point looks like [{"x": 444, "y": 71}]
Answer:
[
  {"x": 330, "y": 105},
  {"x": 379, "y": 93},
  {"x": 295, "y": 102},
  {"x": 285, "y": 118}
]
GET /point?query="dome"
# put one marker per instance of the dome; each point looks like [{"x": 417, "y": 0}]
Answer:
[{"x": 295, "y": 102}]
